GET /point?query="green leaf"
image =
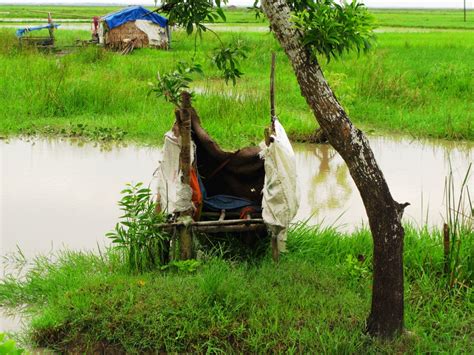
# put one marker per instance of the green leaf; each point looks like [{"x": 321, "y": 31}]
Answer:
[{"x": 189, "y": 28}]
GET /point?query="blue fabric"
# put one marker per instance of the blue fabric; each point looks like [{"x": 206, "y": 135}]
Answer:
[
  {"x": 133, "y": 13},
  {"x": 223, "y": 202},
  {"x": 21, "y": 31}
]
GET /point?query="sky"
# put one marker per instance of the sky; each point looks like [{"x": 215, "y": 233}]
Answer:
[{"x": 428, "y": 4}]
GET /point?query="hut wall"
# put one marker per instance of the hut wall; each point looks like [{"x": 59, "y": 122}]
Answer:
[{"x": 119, "y": 36}]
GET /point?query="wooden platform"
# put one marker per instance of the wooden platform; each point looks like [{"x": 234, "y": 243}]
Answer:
[{"x": 219, "y": 225}]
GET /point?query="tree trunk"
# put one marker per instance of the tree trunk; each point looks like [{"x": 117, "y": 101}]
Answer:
[{"x": 386, "y": 316}]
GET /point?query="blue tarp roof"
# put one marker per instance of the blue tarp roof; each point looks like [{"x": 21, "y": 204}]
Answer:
[
  {"x": 133, "y": 13},
  {"x": 21, "y": 31}
]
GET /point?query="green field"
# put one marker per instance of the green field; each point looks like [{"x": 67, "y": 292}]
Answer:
[
  {"x": 60, "y": 12},
  {"x": 314, "y": 301},
  {"x": 424, "y": 18},
  {"x": 388, "y": 17},
  {"x": 413, "y": 83}
]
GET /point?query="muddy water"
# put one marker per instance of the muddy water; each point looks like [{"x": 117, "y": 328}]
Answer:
[
  {"x": 415, "y": 172},
  {"x": 60, "y": 194}
]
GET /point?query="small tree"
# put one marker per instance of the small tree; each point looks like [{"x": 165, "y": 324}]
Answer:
[{"x": 306, "y": 30}]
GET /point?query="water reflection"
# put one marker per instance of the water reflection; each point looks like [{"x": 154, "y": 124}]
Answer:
[
  {"x": 415, "y": 172},
  {"x": 324, "y": 181},
  {"x": 57, "y": 194}
]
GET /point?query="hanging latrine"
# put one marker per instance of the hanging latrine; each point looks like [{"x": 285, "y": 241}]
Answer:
[{"x": 203, "y": 188}]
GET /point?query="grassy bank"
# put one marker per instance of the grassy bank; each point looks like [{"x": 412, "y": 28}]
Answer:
[
  {"x": 315, "y": 300},
  {"x": 417, "y": 83}
]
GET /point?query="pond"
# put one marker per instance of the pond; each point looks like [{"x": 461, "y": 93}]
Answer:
[{"x": 59, "y": 194}]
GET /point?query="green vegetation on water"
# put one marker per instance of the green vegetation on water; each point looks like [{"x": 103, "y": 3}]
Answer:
[
  {"x": 314, "y": 300},
  {"x": 414, "y": 83}
]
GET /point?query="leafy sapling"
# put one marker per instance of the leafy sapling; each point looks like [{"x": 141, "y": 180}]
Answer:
[
  {"x": 192, "y": 16},
  {"x": 226, "y": 59},
  {"x": 170, "y": 85}
]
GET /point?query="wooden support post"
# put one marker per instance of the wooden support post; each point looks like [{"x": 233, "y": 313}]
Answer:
[
  {"x": 222, "y": 216},
  {"x": 184, "y": 125},
  {"x": 269, "y": 140},
  {"x": 51, "y": 29},
  {"x": 272, "y": 88},
  {"x": 275, "y": 251}
]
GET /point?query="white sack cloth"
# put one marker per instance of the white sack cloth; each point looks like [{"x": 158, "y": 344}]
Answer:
[
  {"x": 173, "y": 195},
  {"x": 156, "y": 34},
  {"x": 101, "y": 32},
  {"x": 280, "y": 192}
]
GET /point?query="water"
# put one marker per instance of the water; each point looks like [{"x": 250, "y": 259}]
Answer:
[
  {"x": 79, "y": 24},
  {"x": 57, "y": 194},
  {"x": 61, "y": 194},
  {"x": 10, "y": 323},
  {"x": 415, "y": 172}
]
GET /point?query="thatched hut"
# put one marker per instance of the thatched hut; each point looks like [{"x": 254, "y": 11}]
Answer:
[{"x": 134, "y": 25}]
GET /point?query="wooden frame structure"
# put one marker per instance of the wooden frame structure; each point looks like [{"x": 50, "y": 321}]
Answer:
[
  {"x": 221, "y": 224},
  {"x": 213, "y": 222},
  {"x": 40, "y": 41}
]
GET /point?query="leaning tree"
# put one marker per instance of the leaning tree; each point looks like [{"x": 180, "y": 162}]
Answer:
[{"x": 308, "y": 30}]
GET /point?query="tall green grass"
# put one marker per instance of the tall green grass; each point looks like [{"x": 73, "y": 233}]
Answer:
[
  {"x": 315, "y": 299},
  {"x": 416, "y": 83},
  {"x": 459, "y": 232},
  {"x": 424, "y": 18}
]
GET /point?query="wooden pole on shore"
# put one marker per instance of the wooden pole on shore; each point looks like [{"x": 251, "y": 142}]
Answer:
[
  {"x": 268, "y": 140},
  {"x": 184, "y": 125},
  {"x": 465, "y": 10},
  {"x": 51, "y": 28},
  {"x": 272, "y": 87}
]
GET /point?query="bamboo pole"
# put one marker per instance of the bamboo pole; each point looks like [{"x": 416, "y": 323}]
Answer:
[
  {"x": 51, "y": 28},
  {"x": 272, "y": 87},
  {"x": 184, "y": 125},
  {"x": 269, "y": 140},
  {"x": 243, "y": 228},
  {"x": 228, "y": 222}
]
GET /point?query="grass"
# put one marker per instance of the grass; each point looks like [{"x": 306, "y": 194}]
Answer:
[
  {"x": 447, "y": 19},
  {"x": 40, "y": 12},
  {"x": 427, "y": 94},
  {"x": 453, "y": 19},
  {"x": 315, "y": 300}
]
